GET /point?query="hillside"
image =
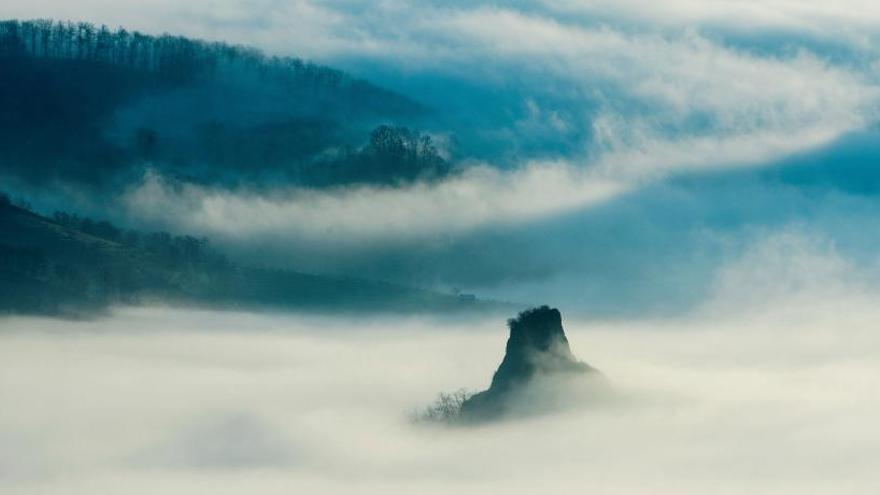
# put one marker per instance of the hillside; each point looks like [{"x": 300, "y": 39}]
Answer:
[
  {"x": 71, "y": 265},
  {"x": 91, "y": 107}
]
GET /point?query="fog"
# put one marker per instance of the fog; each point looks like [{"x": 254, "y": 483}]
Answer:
[
  {"x": 777, "y": 397},
  {"x": 695, "y": 189},
  {"x": 602, "y": 149}
]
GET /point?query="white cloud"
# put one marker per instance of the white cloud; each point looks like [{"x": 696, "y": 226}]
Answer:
[
  {"x": 793, "y": 270},
  {"x": 263, "y": 403},
  {"x": 751, "y": 110},
  {"x": 851, "y": 20},
  {"x": 479, "y": 196},
  {"x": 648, "y": 93},
  {"x": 678, "y": 94},
  {"x": 667, "y": 102}
]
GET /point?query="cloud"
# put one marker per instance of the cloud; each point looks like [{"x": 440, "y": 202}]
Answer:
[
  {"x": 650, "y": 249},
  {"x": 782, "y": 265},
  {"x": 708, "y": 400},
  {"x": 368, "y": 214},
  {"x": 667, "y": 86},
  {"x": 633, "y": 134},
  {"x": 569, "y": 109},
  {"x": 235, "y": 441},
  {"x": 751, "y": 112},
  {"x": 634, "y": 107},
  {"x": 806, "y": 19}
]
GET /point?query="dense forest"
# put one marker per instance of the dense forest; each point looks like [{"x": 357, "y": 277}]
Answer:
[
  {"x": 97, "y": 107},
  {"x": 179, "y": 59},
  {"x": 71, "y": 265}
]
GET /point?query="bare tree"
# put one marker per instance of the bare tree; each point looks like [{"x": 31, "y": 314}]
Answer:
[{"x": 446, "y": 408}]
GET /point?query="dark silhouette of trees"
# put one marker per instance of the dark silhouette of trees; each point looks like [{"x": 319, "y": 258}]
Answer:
[
  {"x": 446, "y": 408},
  {"x": 25, "y": 260},
  {"x": 174, "y": 57},
  {"x": 393, "y": 155},
  {"x": 74, "y": 264},
  {"x": 405, "y": 154},
  {"x": 171, "y": 249},
  {"x": 95, "y": 106}
]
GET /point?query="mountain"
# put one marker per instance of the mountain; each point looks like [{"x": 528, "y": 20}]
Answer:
[
  {"x": 91, "y": 108},
  {"x": 537, "y": 360},
  {"x": 69, "y": 265}
]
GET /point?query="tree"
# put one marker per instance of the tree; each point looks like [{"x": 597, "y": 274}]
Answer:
[
  {"x": 403, "y": 154},
  {"x": 445, "y": 409},
  {"x": 10, "y": 39}
]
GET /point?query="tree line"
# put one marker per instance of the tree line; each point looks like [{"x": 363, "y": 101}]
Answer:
[
  {"x": 43, "y": 273},
  {"x": 394, "y": 155},
  {"x": 173, "y": 57},
  {"x": 173, "y": 250},
  {"x": 70, "y": 264}
]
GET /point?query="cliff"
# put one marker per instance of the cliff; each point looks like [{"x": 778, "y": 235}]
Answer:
[{"x": 537, "y": 351}]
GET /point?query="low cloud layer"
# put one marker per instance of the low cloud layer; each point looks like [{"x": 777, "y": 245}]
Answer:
[
  {"x": 655, "y": 248},
  {"x": 777, "y": 398},
  {"x": 714, "y": 160},
  {"x": 368, "y": 214}
]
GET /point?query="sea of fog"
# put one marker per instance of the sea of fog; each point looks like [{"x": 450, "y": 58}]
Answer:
[{"x": 782, "y": 399}]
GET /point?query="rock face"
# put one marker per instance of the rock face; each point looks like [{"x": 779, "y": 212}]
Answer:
[{"x": 537, "y": 350}]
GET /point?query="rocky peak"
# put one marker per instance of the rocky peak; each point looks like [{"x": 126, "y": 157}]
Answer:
[{"x": 537, "y": 348}]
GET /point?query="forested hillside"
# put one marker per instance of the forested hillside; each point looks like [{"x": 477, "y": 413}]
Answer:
[
  {"x": 74, "y": 265},
  {"x": 175, "y": 59},
  {"x": 97, "y": 107}
]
